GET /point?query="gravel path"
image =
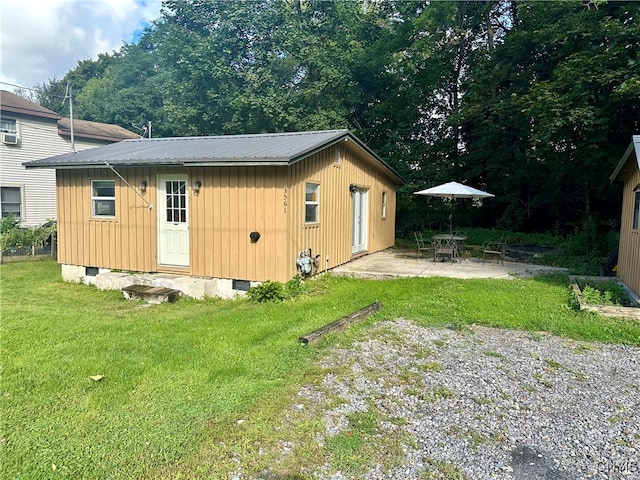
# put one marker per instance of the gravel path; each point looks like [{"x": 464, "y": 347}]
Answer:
[{"x": 482, "y": 403}]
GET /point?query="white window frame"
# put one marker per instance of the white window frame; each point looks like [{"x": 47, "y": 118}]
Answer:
[
  {"x": 635, "y": 225},
  {"x": 9, "y": 120},
  {"x": 384, "y": 205},
  {"x": 21, "y": 202},
  {"x": 312, "y": 205},
  {"x": 95, "y": 198}
]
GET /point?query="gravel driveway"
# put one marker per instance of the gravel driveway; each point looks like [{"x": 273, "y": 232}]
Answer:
[{"x": 482, "y": 403}]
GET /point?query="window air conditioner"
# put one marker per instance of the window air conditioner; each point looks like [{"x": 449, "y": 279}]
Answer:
[{"x": 10, "y": 138}]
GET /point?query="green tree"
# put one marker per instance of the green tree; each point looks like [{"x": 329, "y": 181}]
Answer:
[
  {"x": 549, "y": 112},
  {"x": 129, "y": 91},
  {"x": 52, "y": 93}
]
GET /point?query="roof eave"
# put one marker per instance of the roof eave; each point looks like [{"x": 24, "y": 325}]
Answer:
[
  {"x": 238, "y": 163},
  {"x": 633, "y": 146},
  {"x": 102, "y": 164},
  {"x": 31, "y": 113},
  {"x": 344, "y": 137},
  {"x": 92, "y": 136}
]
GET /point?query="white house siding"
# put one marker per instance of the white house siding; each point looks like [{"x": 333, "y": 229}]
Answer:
[{"x": 38, "y": 139}]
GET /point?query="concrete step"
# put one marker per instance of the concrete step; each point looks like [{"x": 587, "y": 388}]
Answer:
[{"x": 151, "y": 294}]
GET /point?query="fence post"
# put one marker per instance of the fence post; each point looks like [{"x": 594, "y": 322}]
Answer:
[{"x": 54, "y": 245}]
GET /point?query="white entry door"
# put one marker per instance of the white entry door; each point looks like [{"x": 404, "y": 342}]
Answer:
[
  {"x": 360, "y": 220},
  {"x": 173, "y": 220}
]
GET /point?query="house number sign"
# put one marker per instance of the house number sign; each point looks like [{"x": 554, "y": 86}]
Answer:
[{"x": 285, "y": 198}]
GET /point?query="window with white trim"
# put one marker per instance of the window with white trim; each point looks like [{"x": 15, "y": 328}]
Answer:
[
  {"x": 8, "y": 125},
  {"x": 312, "y": 203},
  {"x": 11, "y": 202},
  {"x": 103, "y": 198},
  {"x": 636, "y": 212},
  {"x": 384, "y": 204}
]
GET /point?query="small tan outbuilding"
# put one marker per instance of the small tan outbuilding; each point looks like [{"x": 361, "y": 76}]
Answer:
[
  {"x": 628, "y": 172},
  {"x": 248, "y": 208}
]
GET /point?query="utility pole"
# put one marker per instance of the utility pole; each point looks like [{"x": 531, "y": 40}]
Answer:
[{"x": 69, "y": 94}]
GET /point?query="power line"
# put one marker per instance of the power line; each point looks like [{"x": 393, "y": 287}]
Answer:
[{"x": 19, "y": 86}]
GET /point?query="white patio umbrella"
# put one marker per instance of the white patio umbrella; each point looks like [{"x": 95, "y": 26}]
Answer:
[{"x": 453, "y": 190}]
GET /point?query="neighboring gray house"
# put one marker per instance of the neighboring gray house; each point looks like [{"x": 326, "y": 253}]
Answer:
[{"x": 29, "y": 132}]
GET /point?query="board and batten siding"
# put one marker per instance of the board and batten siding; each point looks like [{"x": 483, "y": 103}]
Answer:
[
  {"x": 232, "y": 202},
  {"x": 38, "y": 139},
  {"x": 125, "y": 242},
  {"x": 629, "y": 250},
  {"x": 331, "y": 237}
]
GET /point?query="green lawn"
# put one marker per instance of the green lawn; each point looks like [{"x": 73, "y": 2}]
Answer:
[{"x": 177, "y": 377}]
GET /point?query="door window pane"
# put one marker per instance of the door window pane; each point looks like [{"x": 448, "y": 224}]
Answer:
[{"x": 176, "y": 201}]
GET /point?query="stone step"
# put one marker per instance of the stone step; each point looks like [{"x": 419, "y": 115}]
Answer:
[{"x": 151, "y": 294}]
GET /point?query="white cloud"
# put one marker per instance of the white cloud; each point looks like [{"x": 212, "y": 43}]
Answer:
[{"x": 43, "y": 39}]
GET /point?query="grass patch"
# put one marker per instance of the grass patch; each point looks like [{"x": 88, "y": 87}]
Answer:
[
  {"x": 441, "y": 470},
  {"x": 491, "y": 353},
  {"x": 357, "y": 448},
  {"x": 179, "y": 377}
]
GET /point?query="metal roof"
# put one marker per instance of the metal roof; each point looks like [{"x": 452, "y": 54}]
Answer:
[{"x": 223, "y": 150}]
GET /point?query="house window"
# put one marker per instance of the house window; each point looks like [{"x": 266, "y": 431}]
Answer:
[
  {"x": 384, "y": 204},
  {"x": 311, "y": 203},
  {"x": 8, "y": 131},
  {"x": 103, "y": 198},
  {"x": 8, "y": 125},
  {"x": 636, "y": 212},
  {"x": 11, "y": 201}
]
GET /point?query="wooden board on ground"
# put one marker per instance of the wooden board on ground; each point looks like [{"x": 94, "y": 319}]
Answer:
[{"x": 341, "y": 324}]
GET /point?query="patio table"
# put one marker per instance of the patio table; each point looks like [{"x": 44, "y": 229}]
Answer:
[{"x": 448, "y": 245}]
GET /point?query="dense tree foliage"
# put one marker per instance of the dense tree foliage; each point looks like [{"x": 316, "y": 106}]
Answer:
[{"x": 533, "y": 101}]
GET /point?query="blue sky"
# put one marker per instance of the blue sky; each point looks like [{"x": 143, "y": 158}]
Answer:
[{"x": 44, "y": 39}]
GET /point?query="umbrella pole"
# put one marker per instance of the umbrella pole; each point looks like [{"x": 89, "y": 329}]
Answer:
[{"x": 451, "y": 218}]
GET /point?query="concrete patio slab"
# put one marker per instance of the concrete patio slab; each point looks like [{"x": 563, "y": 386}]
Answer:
[{"x": 405, "y": 263}]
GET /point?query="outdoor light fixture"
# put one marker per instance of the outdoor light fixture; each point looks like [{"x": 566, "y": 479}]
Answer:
[
  {"x": 196, "y": 186},
  {"x": 142, "y": 186},
  {"x": 352, "y": 188}
]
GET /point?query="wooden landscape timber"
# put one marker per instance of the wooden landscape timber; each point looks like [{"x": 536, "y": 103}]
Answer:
[{"x": 341, "y": 324}]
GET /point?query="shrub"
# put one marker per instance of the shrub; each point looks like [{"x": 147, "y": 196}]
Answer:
[
  {"x": 295, "y": 287},
  {"x": 604, "y": 293},
  {"x": 268, "y": 291},
  {"x": 13, "y": 237}
]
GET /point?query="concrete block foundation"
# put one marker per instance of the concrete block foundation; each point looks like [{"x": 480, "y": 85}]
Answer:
[{"x": 194, "y": 287}]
